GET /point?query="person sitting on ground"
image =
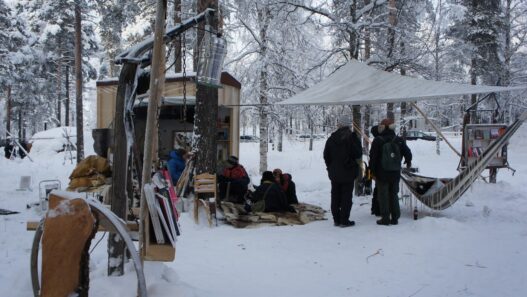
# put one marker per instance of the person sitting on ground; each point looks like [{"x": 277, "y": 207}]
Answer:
[
  {"x": 269, "y": 197},
  {"x": 176, "y": 164},
  {"x": 235, "y": 179},
  {"x": 285, "y": 180}
]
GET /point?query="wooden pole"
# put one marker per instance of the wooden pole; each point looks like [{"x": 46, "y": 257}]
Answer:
[
  {"x": 157, "y": 82},
  {"x": 435, "y": 128}
]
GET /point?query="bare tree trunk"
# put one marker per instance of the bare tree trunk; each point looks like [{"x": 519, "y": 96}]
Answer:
[
  {"x": 473, "y": 97},
  {"x": 291, "y": 124},
  {"x": 177, "y": 44},
  {"x": 78, "y": 82},
  {"x": 403, "y": 104},
  {"x": 67, "y": 103},
  {"x": 264, "y": 17},
  {"x": 280, "y": 137},
  {"x": 206, "y": 114},
  {"x": 59, "y": 89},
  {"x": 8, "y": 112},
  {"x": 392, "y": 20},
  {"x": 367, "y": 109},
  {"x": 20, "y": 123},
  {"x": 264, "y": 135},
  {"x": 507, "y": 46},
  {"x": 354, "y": 53},
  {"x": 311, "y": 127}
]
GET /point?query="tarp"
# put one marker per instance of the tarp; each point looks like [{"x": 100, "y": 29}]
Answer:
[{"x": 357, "y": 83}]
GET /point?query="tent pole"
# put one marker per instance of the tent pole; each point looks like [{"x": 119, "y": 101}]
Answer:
[
  {"x": 435, "y": 128},
  {"x": 366, "y": 138}
]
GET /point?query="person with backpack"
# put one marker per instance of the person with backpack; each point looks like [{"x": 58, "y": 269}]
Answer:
[
  {"x": 235, "y": 179},
  {"x": 341, "y": 155},
  {"x": 386, "y": 155}
]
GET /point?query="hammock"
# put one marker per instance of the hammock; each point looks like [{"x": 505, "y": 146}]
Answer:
[{"x": 441, "y": 193}]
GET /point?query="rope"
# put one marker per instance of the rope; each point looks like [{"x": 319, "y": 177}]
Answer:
[
  {"x": 435, "y": 128},
  {"x": 366, "y": 138}
]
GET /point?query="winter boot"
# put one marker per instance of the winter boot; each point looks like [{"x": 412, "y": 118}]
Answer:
[
  {"x": 384, "y": 221},
  {"x": 394, "y": 222},
  {"x": 347, "y": 224}
]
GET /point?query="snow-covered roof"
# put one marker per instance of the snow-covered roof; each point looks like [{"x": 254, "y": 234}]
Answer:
[{"x": 357, "y": 83}]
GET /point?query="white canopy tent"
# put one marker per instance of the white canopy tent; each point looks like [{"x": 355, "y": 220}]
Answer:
[{"x": 357, "y": 83}]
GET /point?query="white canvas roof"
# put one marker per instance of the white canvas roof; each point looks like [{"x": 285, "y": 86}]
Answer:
[{"x": 358, "y": 83}]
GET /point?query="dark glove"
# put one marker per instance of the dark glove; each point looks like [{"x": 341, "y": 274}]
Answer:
[
  {"x": 408, "y": 164},
  {"x": 247, "y": 207}
]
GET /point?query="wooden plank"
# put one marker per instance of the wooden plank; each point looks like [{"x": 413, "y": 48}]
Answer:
[
  {"x": 132, "y": 226},
  {"x": 160, "y": 252}
]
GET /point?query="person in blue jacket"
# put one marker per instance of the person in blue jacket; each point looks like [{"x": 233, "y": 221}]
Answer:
[{"x": 176, "y": 164}]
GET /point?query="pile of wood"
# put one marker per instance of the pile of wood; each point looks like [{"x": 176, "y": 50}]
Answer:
[{"x": 236, "y": 215}]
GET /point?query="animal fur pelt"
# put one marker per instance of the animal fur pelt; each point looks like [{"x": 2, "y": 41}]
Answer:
[{"x": 236, "y": 215}]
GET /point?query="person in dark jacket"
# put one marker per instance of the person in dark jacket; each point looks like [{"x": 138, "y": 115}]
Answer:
[
  {"x": 8, "y": 150},
  {"x": 236, "y": 179},
  {"x": 269, "y": 197},
  {"x": 374, "y": 201},
  {"x": 285, "y": 180},
  {"x": 387, "y": 180},
  {"x": 176, "y": 164},
  {"x": 341, "y": 153}
]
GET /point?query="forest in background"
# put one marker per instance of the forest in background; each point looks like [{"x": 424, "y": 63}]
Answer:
[{"x": 277, "y": 48}]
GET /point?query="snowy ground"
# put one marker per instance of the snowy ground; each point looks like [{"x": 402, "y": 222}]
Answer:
[{"x": 476, "y": 250}]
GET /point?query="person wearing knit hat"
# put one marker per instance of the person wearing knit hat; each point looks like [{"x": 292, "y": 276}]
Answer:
[
  {"x": 285, "y": 181},
  {"x": 236, "y": 179},
  {"x": 233, "y": 160},
  {"x": 268, "y": 197},
  {"x": 341, "y": 152},
  {"x": 386, "y": 153},
  {"x": 344, "y": 121},
  {"x": 386, "y": 124}
]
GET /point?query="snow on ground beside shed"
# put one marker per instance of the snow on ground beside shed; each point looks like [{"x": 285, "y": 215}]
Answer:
[{"x": 463, "y": 251}]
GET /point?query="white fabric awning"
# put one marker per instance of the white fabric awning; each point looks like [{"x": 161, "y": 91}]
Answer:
[{"x": 357, "y": 83}]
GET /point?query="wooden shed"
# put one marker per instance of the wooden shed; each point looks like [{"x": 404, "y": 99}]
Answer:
[{"x": 172, "y": 127}]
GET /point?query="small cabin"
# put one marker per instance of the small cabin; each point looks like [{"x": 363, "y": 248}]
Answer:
[{"x": 176, "y": 115}]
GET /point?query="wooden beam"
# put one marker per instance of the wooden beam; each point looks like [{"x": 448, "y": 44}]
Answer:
[
  {"x": 157, "y": 83},
  {"x": 132, "y": 226}
]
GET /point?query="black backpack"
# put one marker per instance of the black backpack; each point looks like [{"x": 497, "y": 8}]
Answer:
[{"x": 391, "y": 155}]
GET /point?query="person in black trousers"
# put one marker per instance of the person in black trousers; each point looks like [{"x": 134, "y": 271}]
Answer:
[{"x": 341, "y": 153}]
